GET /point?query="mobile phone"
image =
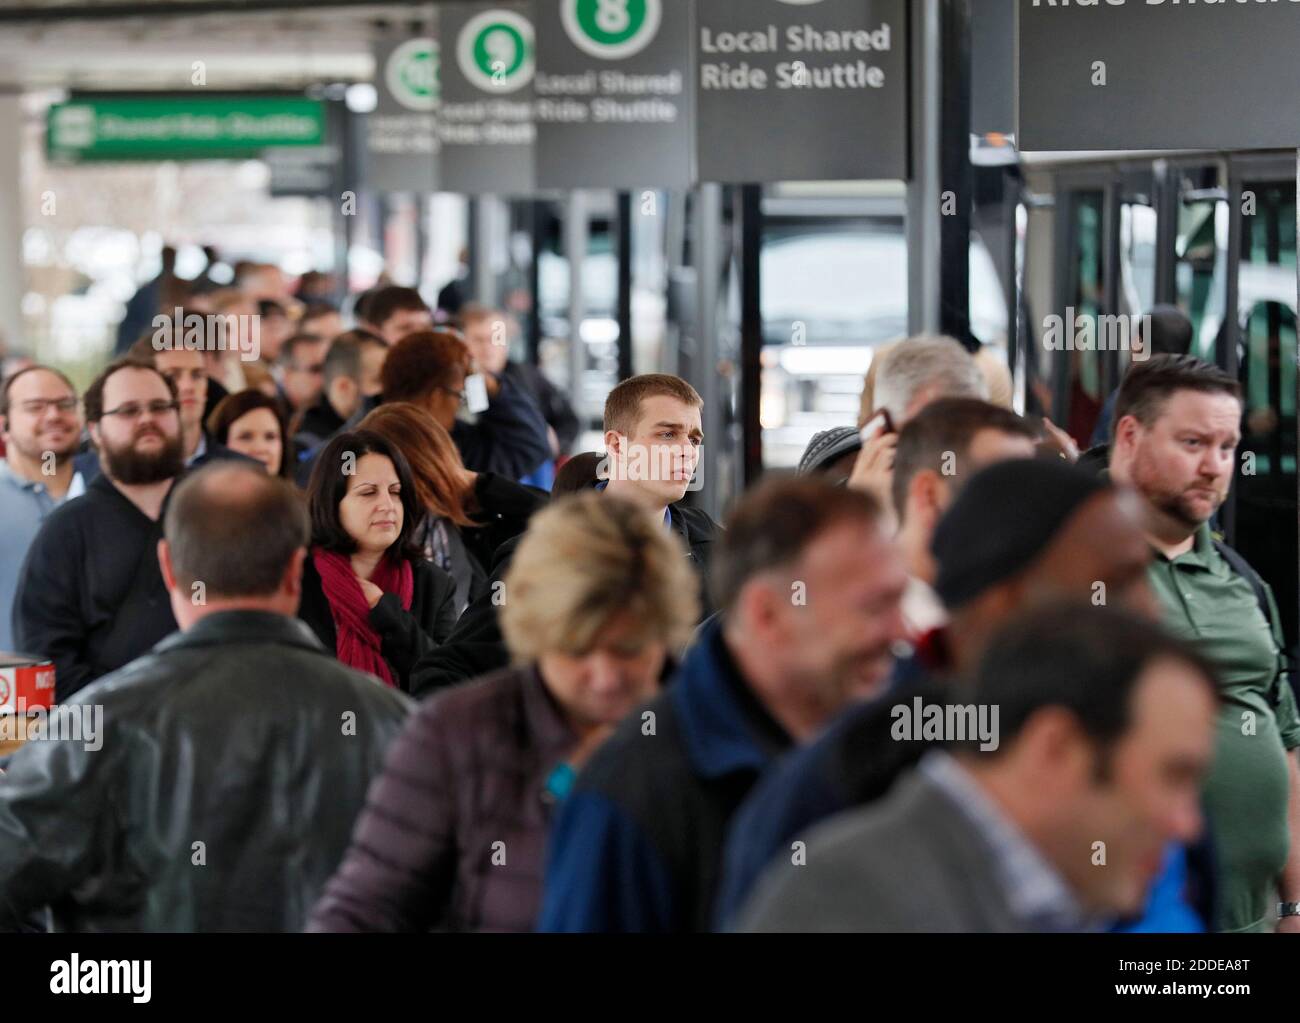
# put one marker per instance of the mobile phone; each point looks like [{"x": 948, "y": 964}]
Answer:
[
  {"x": 476, "y": 395},
  {"x": 877, "y": 426}
]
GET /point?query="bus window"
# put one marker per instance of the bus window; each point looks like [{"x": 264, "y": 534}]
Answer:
[{"x": 1266, "y": 485}]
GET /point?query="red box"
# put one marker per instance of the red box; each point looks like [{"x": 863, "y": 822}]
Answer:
[{"x": 25, "y": 679}]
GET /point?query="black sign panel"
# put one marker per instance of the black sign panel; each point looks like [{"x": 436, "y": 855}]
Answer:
[
  {"x": 401, "y": 135},
  {"x": 613, "y": 93},
  {"x": 485, "y": 122},
  {"x": 1158, "y": 74},
  {"x": 792, "y": 90}
]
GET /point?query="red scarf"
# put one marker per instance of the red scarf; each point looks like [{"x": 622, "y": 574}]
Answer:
[{"x": 358, "y": 645}]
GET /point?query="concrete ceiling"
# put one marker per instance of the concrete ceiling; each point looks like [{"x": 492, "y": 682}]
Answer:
[{"x": 243, "y": 49}]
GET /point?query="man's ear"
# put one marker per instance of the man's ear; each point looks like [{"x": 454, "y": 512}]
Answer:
[
  {"x": 614, "y": 443},
  {"x": 165, "y": 564},
  {"x": 291, "y": 581},
  {"x": 757, "y": 606},
  {"x": 925, "y": 496},
  {"x": 1127, "y": 433}
]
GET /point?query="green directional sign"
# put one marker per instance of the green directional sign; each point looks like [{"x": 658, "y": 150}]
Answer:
[
  {"x": 105, "y": 127},
  {"x": 611, "y": 29},
  {"x": 495, "y": 51}
]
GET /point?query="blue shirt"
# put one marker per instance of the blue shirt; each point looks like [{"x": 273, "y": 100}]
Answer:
[{"x": 24, "y": 504}]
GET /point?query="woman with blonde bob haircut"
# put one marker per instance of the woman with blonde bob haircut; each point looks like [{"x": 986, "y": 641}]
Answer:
[{"x": 598, "y": 597}]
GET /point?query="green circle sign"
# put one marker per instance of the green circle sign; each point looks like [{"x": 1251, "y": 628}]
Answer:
[
  {"x": 495, "y": 51},
  {"x": 411, "y": 74},
  {"x": 611, "y": 29}
]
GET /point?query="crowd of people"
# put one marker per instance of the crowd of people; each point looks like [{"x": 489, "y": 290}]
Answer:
[{"x": 358, "y": 671}]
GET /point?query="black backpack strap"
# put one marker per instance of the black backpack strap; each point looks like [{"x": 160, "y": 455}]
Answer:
[{"x": 1243, "y": 568}]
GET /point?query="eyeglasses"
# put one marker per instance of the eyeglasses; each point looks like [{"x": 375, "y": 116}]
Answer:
[
  {"x": 460, "y": 395},
  {"x": 38, "y": 406},
  {"x": 133, "y": 410}
]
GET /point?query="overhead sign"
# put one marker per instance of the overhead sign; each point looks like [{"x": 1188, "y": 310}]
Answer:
[
  {"x": 993, "y": 67},
  {"x": 801, "y": 90},
  {"x": 303, "y": 170},
  {"x": 486, "y": 119},
  {"x": 401, "y": 132},
  {"x": 614, "y": 103},
  {"x": 179, "y": 127},
  {"x": 1158, "y": 74}
]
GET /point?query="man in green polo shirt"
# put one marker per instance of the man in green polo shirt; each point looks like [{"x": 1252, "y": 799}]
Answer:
[{"x": 1177, "y": 427}]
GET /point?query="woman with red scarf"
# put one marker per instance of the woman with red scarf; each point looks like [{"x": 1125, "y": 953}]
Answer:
[{"x": 367, "y": 591}]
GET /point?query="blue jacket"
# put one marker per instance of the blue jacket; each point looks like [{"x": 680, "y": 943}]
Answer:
[
  {"x": 508, "y": 439},
  {"x": 637, "y": 846}
]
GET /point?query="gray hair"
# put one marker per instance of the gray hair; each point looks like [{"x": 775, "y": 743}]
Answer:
[{"x": 936, "y": 365}]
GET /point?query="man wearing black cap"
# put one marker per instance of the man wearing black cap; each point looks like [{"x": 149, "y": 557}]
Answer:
[
  {"x": 1021, "y": 533},
  {"x": 832, "y": 453}
]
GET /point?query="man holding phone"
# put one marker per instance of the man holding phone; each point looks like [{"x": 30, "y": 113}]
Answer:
[
  {"x": 435, "y": 370},
  {"x": 910, "y": 376}
]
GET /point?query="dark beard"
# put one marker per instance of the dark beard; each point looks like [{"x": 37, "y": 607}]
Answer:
[
  {"x": 128, "y": 466},
  {"x": 1172, "y": 503}
]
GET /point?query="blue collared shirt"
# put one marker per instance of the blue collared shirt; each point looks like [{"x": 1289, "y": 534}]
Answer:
[{"x": 24, "y": 504}]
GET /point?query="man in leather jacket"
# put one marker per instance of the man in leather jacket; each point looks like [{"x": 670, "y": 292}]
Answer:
[{"x": 213, "y": 782}]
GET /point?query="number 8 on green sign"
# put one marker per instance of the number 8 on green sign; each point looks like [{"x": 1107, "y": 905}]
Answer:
[
  {"x": 495, "y": 51},
  {"x": 611, "y": 29}
]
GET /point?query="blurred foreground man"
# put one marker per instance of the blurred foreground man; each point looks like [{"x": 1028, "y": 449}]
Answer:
[
  {"x": 214, "y": 782},
  {"x": 40, "y": 426},
  {"x": 1019, "y": 534},
  {"x": 1058, "y": 823},
  {"x": 1177, "y": 427},
  {"x": 90, "y": 597},
  {"x": 809, "y": 588}
]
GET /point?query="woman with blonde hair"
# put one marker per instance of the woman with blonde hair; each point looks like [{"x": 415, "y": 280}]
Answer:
[
  {"x": 598, "y": 597},
  {"x": 469, "y": 514}
]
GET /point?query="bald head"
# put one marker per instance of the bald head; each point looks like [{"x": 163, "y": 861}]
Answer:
[{"x": 234, "y": 537}]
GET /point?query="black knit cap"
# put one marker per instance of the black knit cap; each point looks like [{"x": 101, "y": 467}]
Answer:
[
  {"x": 827, "y": 447},
  {"x": 1002, "y": 520}
]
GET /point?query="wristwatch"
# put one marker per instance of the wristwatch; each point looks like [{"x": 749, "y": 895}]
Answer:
[{"x": 1285, "y": 909}]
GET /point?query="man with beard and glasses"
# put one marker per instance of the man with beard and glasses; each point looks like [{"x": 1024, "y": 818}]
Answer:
[
  {"x": 91, "y": 596},
  {"x": 809, "y": 587},
  {"x": 40, "y": 426},
  {"x": 1177, "y": 427}
]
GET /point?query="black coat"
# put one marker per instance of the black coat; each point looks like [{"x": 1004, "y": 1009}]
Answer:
[
  {"x": 504, "y": 508},
  {"x": 476, "y": 646},
  {"x": 406, "y": 636},
  {"x": 555, "y": 406},
  {"x": 91, "y": 597},
  {"x": 232, "y": 734}
]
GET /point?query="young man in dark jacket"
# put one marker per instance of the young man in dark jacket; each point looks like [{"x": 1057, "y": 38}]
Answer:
[
  {"x": 810, "y": 591},
  {"x": 211, "y": 785},
  {"x": 652, "y": 435}
]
